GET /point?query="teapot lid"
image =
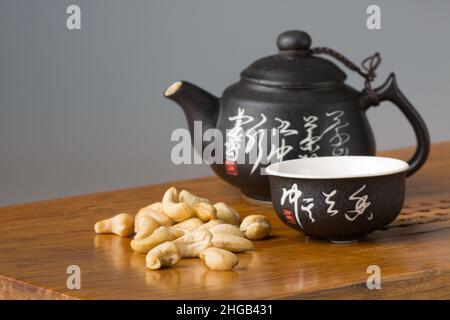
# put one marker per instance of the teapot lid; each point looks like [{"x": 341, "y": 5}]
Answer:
[{"x": 294, "y": 66}]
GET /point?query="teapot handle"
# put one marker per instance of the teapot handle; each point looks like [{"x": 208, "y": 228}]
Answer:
[{"x": 389, "y": 91}]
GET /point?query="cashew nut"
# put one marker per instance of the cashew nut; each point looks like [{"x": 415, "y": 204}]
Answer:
[
  {"x": 231, "y": 242},
  {"x": 177, "y": 211},
  {"x": 160, "y": 217},
  {"x": 163, "y": 255},
  {"x": 210, "y": 224},
  {"x": 219, "y": 259},
  {"x": 227, "y": 214},
  {"x": 256, "y": 227},
  {"x": 205, "y": 211},
  {"x": 191, "y": 244},
  {"x": 157, "y": 215},
  {"x": 121, "y": 224},
  {"x": 145, "y": 227},
  {"x": 157, "y": 206},
  {"x": 190, "y": 199},
  {"x": 180, "y": 229},
  {"x": 160, "y": 235},
  {"x": 227, "y": 228}
]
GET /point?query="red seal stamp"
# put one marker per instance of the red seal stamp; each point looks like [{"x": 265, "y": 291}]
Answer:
[
  {"x": 231, "y": 168},
  {"x": 290, "y": 217}
]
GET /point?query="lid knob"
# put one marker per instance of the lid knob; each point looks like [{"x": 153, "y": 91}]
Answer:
[{"x": 293, "y": 40}]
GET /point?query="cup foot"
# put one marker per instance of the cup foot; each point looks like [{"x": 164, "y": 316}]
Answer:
[
  {"x": 336, "y": 241},
  {"x": 344, "y": 241}
]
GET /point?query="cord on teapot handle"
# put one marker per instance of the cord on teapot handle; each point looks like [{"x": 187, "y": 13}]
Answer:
[
  {"x": 387, "y": 91},
  {"x": 367, "y": 69}
]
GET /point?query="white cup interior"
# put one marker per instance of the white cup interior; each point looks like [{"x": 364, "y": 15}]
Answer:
[{"x": 337, "y": 167}]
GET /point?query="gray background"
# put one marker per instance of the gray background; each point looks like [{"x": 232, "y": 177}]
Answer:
[{"x": 83, "y": 111}]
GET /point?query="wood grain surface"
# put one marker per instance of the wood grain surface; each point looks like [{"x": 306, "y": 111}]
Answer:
[{"x": 38, "y": 241}]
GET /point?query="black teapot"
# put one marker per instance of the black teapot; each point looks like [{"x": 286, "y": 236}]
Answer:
[{"x": 291, "y": 105}]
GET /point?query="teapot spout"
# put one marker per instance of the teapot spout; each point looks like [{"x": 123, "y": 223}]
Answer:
[{"x": 197, "y": 104}]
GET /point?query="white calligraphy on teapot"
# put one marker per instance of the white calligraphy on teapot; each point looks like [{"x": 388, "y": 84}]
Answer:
[
  {"x": 310, "y": 144},
  {"x": 234, "y": 136},
  {"x": 253, "y": 140}
]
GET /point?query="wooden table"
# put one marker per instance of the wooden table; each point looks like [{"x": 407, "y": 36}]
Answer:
[{"x": 38, "y": 241}]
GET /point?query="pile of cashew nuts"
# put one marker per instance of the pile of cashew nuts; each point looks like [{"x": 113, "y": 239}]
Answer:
[{"x": 184, "y": 225}]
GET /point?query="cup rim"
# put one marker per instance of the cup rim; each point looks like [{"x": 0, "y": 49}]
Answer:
[{"x": 337, "y": 167}]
